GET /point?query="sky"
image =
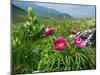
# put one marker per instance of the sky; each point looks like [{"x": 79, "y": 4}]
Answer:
[{"x": 73, "y": 10}]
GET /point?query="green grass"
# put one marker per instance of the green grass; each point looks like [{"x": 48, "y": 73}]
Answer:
[{"x": 31, "y": 51}]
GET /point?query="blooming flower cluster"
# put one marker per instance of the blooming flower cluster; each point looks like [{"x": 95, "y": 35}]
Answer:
[
  {"x": 77, "y": 41},
  {"x": 60, "y": 43}
]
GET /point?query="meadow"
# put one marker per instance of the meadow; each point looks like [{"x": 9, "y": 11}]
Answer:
[{"x": 33, "y": 52}]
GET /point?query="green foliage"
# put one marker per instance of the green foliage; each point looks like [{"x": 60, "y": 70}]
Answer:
[
  {"x": 72, "y": 58},
  {"x": 23, "y": 37},
  {"x": 31, "y": 51}
]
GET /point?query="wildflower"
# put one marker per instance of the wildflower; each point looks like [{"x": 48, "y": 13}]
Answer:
[
  {"x": 74, "y": 32},
  {"x": 77, "y": 41},
  {"x": 48, "y": 31},
  {"x": 60, "y": 44}
]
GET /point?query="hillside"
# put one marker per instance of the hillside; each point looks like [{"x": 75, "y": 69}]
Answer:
[
  {"x": 18, "y": 14},
  {"x": 41, "y": 11}
]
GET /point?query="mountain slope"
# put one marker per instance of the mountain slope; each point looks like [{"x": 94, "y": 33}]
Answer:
[
  {"x": 39, "y": 10},
  {"x": 18, "y": 14},
  {"x": 16, "y": 10}
]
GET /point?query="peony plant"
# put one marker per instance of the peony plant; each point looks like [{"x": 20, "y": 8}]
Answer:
[{"x": 63, "y": 55}]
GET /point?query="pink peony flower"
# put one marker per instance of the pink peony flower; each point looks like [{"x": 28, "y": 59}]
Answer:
[
  {"x": 74, "y": 32},
  {"x": 77, "y": 41},
  {"x": 48, "y": 31},
  {"x": 60, "y": 44}
]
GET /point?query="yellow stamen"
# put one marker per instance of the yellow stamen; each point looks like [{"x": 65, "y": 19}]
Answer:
[
  {"x": 77, "y": 41},
  {"x": 60, "y": 45}
]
